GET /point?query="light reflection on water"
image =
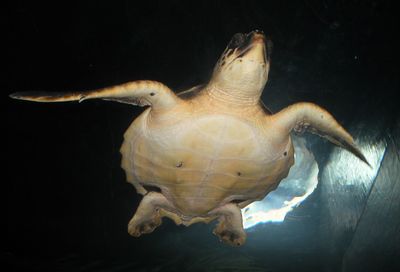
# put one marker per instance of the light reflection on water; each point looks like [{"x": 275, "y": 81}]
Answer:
[
  {"x": 350, "y": 171},
  {"x": 295, "y": 188},
  {"x": 303, "y": 179},
  {"x": 351, "y": 182}
]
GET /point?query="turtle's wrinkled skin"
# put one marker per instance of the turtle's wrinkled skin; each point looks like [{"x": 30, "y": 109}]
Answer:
[{"x": 207, "y": 152}]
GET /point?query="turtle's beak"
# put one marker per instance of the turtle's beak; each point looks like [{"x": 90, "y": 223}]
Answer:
[
  {"x": 256, "y": 49},
  {"x": 244, "y": 65}
]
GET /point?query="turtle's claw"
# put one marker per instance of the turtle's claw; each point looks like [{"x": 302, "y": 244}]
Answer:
[
  {"x": 230, "y": 238},
  {"x": 138, "y": 228}
]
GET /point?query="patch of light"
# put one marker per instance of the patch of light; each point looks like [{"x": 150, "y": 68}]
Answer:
[
  {"x": 294, "y": 189},
  {"x": 350, "y": 181},
  {"x": 348, "y": 170}
]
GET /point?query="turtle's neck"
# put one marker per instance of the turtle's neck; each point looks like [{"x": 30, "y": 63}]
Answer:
[{"x": 232, "y": 97}]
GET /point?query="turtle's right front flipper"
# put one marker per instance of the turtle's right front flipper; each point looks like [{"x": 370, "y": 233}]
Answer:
[
  {"x": 140, "y": 93},
  {"x": 310, "y": 117}
]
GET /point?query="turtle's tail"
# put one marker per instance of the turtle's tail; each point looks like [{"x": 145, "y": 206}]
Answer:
[{"x": 302, "y": 117}]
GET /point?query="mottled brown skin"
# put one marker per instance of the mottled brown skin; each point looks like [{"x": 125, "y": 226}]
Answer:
[{"x": 208, "y": 152}]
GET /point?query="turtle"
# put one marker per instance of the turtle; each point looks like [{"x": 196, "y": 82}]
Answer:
[{"x": 206, "y": 153}]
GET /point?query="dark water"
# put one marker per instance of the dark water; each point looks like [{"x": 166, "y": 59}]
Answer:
[{"x": 66, "y": 204}]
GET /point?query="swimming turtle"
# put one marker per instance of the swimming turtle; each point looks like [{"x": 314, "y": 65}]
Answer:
[{"x": 205, "y": 153}]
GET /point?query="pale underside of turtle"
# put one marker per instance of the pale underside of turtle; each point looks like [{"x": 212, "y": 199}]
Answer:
[{"x": 205, "y": 153}]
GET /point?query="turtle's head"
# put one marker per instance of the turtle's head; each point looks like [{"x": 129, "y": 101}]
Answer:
[{"x": 244, "y": 65}]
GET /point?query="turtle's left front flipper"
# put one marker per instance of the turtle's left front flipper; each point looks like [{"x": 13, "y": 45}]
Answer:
[
  {"x": 140, "y": 93},
  {"x": 302, "y": 117}
]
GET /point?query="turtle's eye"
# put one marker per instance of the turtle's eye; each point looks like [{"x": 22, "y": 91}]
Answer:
[{"x": 237, "y": 40}]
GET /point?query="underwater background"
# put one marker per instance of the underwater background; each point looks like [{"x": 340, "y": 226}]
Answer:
[{"x": 66, "y": 203}]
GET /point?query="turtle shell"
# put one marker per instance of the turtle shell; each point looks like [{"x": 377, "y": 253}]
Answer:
[{"x": 201, "y": 159}]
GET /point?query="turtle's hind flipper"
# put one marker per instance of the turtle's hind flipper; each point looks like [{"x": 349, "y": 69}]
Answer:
[
  {"x": 302, "y": 117},
  {"x": 140, "y": 93},
  {"x": 230, "y": 226}
]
